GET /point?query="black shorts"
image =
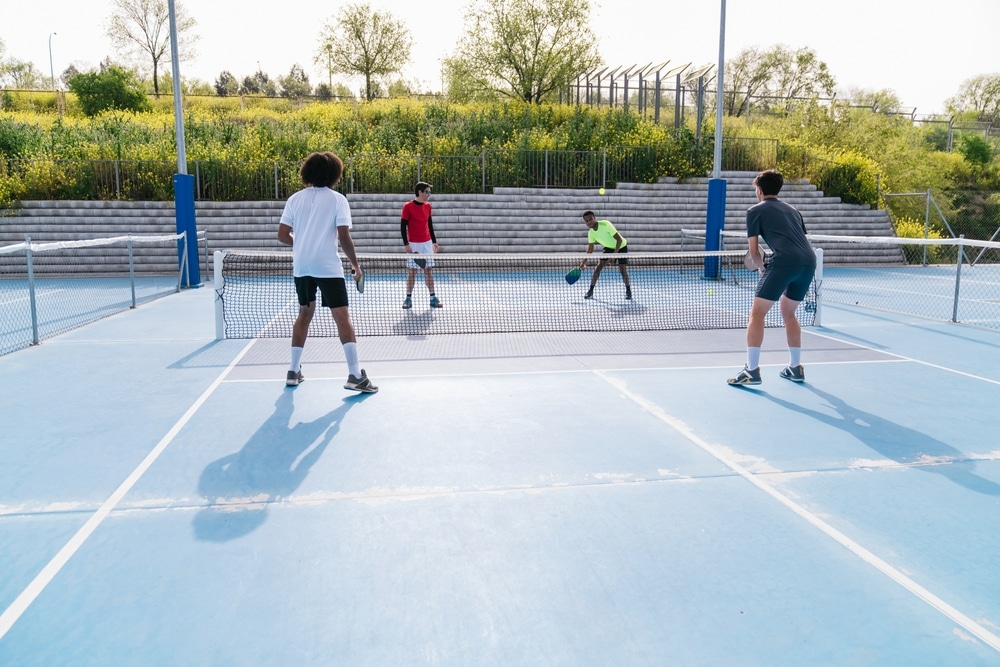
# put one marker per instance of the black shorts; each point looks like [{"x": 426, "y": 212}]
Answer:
[
  {"x": 792, "y": 281},
  {"x": 621, "y": 260},
  {"x": 334, "y": 291}
]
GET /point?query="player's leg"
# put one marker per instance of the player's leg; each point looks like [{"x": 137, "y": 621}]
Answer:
[
  {"x": 622, "y": 268},
  {"x": 300, "y": 329},
  {"x": 335, "y": 297},
  {"x": 305, "y": 290},
  {"x": 755, "y": 337},
  {"x": 429, "y": 281},
  {"x": 357, "y": 379},
  {"x": 411, "y": 279},
  {"x": 769, "y": 290},
  {"x": 593, "y": 278},
  {"x": 790, "y": 300}
]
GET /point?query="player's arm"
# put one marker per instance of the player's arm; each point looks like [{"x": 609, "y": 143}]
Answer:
[
  {"x": 430, "y": 228},
  {"x": 618, "y": 241},
  {"x": 754, "y": 243},
  {"x": 347, "y": 243},
  {"x": 590, "y": 249},
  {"x": 284, "y": 234},
  {"x": 404, "y": 233}
]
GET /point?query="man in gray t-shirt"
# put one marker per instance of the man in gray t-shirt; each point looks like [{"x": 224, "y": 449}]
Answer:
[{"x": 786, "y": 277}]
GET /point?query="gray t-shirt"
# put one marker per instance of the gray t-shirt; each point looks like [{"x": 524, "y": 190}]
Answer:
[{"x": 784, "y": 231}]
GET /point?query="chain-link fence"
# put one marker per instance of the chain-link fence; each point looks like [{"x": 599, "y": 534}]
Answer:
[{"x": 972, "y": 214}]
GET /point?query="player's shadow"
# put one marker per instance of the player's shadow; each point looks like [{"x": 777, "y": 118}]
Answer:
[
  {"x": 900, "y": 443},
  {"x": 414, "y": 324},
  {"x": 239, "y": 488}
]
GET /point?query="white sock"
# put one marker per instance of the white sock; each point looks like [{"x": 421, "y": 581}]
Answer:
[
  {"x": 296, "y": 360},
  {"x": 351, "y": 353},
  {"x": 794, "y": 356},
  {"x": 753, "y": 357}
]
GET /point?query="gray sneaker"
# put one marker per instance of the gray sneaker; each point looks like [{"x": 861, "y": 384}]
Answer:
[
  {"x": 793, "y": 373},
  {"x": 407, "y": 303},
  {"x": 295, "y": 378},
  {"x": 436, "y": 302},
  {"x": 746, "y": 376},
  {"x": 361, "y": 384}
]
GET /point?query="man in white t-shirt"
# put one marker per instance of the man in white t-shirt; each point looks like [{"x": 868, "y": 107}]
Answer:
[{"x": 314, "y": 220}]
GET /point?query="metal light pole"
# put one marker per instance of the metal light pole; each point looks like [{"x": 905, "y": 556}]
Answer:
[
  {"x": 715, "y": 220},
  {"x": 52, "y": 71},
  {"x": 717, "y": 164},
  {"x": 183, "y": 182}
]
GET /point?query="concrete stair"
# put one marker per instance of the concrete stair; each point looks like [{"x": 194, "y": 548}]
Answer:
[{"x": 650, "y": 216}]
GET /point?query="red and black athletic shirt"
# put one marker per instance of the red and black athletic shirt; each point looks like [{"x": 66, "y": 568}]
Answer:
[{"x": 415, "y": 223}]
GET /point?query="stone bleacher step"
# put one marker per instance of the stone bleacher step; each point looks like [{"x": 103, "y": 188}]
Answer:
[{"x": 650, "y": 215}]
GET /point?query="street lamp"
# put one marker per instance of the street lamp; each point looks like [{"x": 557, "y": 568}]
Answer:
[{"x": 52, "y": 71}]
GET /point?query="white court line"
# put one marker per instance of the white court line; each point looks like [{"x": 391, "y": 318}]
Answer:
[
  {"x": 903, "y": 357},
  {"x": 48, "y": 573},
  {"x": 885, "y": 568}
]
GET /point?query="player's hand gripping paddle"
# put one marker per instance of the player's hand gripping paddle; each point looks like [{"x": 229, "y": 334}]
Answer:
[
  {"x": 748, "y": 262},
  {"x": 573, "y": 276},
  {"x": 359, "y": 280}
]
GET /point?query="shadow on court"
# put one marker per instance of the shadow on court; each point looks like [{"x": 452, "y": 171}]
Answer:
[
  {"x": 900, "y": 443},
  {"x": 240, "y": 487}
]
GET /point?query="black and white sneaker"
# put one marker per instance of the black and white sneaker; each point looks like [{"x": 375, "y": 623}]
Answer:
[
  {"x": 361, "y": 384},
  {"x": 793, "y": 373},
  {"x": 295, "y": 378},
  {"x": 746, "y": 376},
  {"x": 589, "y": 294},
  {"x": 628, "y": 293}
]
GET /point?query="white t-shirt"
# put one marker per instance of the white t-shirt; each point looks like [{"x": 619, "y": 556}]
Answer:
[{"x": 314, "y": 215}]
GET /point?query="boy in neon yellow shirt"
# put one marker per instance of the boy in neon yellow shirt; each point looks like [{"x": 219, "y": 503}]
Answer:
[{"x": 615, "y": 246}]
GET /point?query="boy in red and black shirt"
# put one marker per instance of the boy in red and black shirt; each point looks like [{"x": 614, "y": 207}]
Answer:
[{"x": 417, "y": 230}]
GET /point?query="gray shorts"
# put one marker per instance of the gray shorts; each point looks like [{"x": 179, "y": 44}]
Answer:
[{"x": 792, "y": 281}]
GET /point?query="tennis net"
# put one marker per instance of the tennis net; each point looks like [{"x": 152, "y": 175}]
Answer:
[
  {"x": 955, "y": 279},
  {"x": 493, "y": 293},
  {"x": 49, "y": 288}
]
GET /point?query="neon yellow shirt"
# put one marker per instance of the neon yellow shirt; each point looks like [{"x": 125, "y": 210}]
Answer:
[{"x": 604, "y": 234}]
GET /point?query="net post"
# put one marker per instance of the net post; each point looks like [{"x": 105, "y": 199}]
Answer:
[
  {"x": 715, "y": 222},
  {"x": 819, "y": 287},
  {"x": 958, "y": 278},
  {"x": 220, "y": 323},
  {"x": 184, "y": 213},
  {"x": 131, "y": 268},
  {"x": 31, "y": 291}
]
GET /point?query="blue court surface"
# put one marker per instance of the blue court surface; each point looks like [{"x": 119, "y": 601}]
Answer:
[{"x": 505, "y": 499}]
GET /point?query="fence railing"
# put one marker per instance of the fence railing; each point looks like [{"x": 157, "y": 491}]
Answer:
[{"x": 152, "y": 180}]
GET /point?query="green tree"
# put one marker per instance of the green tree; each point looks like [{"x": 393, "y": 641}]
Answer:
[
  {"x": 226, "y": 84},
  {"x": 523, "y": 49},
  {"x": 111, "y": 88},
  {"x": 364, "y": 42},
  {"x": 980, "y": 94},
  {"x": 258, "y": 84},
  {"x": 777, "y": 74},
  {"x": 975, "y": 150},
  {"x": 16, "y": 73},
  {"x": 295, "y": 84},
  {"x": 141, "y": 29}
]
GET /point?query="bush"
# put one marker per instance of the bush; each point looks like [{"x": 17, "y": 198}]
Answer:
[
  {"x": 113, "y": 88},
  {"x": 910, "y": 228}
]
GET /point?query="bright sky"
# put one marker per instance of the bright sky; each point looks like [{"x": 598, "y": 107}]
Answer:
[{"x": 924, "y": 55}]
